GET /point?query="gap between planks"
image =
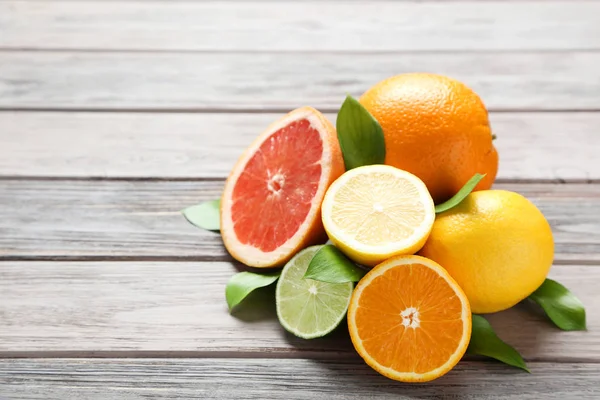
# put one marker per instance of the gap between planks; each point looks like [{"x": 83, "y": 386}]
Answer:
[
  {"x": 184, "y": 259},
  {"x": 245, "y": 354},
  {"x": 285, "y": 52},
  {"x": 240, "y": 110},
  {"x": 66, "y": 178}
]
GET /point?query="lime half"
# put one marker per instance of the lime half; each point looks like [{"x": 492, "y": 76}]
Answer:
[{"x": 309, "y": 308}]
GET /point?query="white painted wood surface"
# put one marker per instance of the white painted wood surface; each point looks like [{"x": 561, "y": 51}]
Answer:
[
  {"x": 280, "y": 81},
  {"x": 301, "y": 26},
  {"x": 261, "y": 379},
  {"x": 114, "y": 115},
  {"x": 206, "y": 145},
  {"x": 162, "y": 309},
  {"x": 141, "y": 220}
]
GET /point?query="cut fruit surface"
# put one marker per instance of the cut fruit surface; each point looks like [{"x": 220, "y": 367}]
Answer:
[
  {"x": 375, "y": 212},
  {"x": 309, "y": 308},
  {"x": 271, "y": 204},
  {"x": 409, "y": 320}
]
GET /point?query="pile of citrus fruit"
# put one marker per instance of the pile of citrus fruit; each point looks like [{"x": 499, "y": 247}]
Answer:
[{"x": 385, "y": 189}]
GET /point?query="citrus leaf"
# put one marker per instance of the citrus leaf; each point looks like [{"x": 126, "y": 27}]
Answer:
[
  {"x": 485, "y": 342},
  {"x": 561, "y": 306},
  {"x": 360, "y": 135},
  {"x": 330, "y": 265},
  {"x": 243, "y": 283},
  {"x": 205, "y": 215},
  {"x": 460, "y": 196}
]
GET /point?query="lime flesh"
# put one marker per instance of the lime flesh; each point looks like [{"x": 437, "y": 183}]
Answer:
[{"x": 309, "y": 308}]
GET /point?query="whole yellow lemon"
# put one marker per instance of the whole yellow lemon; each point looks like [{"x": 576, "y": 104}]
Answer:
[{"x": 496, "y": 244}]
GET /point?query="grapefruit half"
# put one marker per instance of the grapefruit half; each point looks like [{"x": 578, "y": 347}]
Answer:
[{"x": 271, "y": 205}]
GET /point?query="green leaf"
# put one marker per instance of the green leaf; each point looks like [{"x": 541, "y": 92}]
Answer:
[
  {"x": 205, "y": 215},
  {"x": 485, "y": 342},
  {"x": 563, "y": 308},
  {"x": 330, "y": 265},
  {"x": 243, "y": 283},
  {"x": 360, "y": 135},
  {"x": 460, "y": 196}
]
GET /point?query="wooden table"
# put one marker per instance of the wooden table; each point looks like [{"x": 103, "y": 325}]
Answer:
[{"x": 115, "y": 115}]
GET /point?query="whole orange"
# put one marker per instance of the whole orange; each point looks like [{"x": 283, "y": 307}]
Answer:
[{"x": 436, "y": 128}]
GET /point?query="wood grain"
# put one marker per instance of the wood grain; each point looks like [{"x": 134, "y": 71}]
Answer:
[
  {"x": 298, "y": 26},
  {"x": 93, "y": 267},
  {"x": 140, "y": 220},
  {"x": 105, "y": 219},
  {"x": 162, "y": 309},
  {"x": 282, "y": 81},
  {"x": 141, "y": 145},
  {"x": 282, "y": 379}
]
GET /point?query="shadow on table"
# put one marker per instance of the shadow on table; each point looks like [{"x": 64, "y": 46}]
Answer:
[
  {"x": 338, "y": 363},
  {"x": 527, "y": 329},
  {"x": 468, "y": 379},
  {"x": 258, "y": 306}
]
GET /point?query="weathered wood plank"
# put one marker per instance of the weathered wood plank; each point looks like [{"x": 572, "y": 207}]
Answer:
[
  {"x": 94, "y": 379},
  {"x": 281, "y": 81},
  {"x": 140, "y": 220},
  {"x": 96, "y": 218},
  {"x": 78, "y": 309},
  {"x": 202, "y": 145},
  {"x": 293, "y": 26}
]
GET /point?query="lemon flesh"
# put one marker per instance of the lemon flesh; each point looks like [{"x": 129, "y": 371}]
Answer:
[{"x": 375, "y": 212}]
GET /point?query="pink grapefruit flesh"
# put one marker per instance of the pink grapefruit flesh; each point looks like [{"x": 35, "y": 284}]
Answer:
[{"x": 272, "y": 199}]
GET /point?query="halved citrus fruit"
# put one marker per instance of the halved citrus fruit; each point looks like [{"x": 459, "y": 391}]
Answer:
[
  {"x": 309, "y": 308},
  {"x": 271, "y": 205},
  {"x": 375, "y": 212},
  {"x": 409, "y": 320}
]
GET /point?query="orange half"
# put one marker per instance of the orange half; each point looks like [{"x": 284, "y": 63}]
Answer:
[{"x": 409, "y": 320}]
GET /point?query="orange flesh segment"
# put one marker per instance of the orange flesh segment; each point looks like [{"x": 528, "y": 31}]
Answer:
[
  {"x": 382, "y": 328},
  {"x": 274, "y": 194}
]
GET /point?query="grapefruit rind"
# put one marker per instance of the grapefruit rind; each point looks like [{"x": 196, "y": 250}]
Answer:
[
  {"x": 405, "y": 376},
  {"x": 311, "y": 230}
]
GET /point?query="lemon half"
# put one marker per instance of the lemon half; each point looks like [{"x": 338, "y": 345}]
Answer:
[{"x": 375, "y": 212}]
